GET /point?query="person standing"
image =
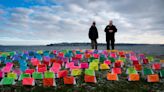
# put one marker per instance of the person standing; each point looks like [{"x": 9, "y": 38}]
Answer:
[
  {"x": 110, "y": 31},
  {"x": 93, "y": 35}
]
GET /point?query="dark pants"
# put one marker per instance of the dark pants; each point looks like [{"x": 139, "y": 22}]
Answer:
[
  {"x": 94, "y": 44},
  {"x": 110, "y": 41}
]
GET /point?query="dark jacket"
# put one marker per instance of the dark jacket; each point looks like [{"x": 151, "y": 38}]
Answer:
[
  {"x": 93, "y": 33},
  {"x": 110, "y": 36}
]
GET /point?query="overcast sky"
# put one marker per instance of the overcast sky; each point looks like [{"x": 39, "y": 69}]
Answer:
[{"x": 40, "y": 22}]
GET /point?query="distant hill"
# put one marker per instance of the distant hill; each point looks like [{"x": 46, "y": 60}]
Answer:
[{"x": 101, "y": 44}]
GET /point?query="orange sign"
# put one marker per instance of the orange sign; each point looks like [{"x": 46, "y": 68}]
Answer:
[
  {"x": 112, "y": 77},
  {"x": 153, "y": 78},
  {"x": 134, "y": 77}
]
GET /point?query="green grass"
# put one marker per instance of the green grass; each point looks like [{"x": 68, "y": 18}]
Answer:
[{"x": 102, "y": 85}]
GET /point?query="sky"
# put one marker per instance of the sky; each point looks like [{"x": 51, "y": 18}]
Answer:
[{"x": 41, "y": 22}]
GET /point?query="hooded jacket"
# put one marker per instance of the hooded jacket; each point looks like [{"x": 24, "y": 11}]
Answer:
[{"x": 93, "y": 33}]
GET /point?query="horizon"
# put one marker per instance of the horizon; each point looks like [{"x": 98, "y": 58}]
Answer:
[
  {"x": 60, "y": 43},
  {"x": 42, "y": 22}
]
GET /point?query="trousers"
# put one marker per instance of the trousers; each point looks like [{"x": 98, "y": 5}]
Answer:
[
  {"x": 94, "y": 44},
  {"x": 110, "y": 42}
]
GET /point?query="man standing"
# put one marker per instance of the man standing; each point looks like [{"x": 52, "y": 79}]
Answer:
[
  {"x": 110, "y": 34},
  {"x": 93, "y": 35}
]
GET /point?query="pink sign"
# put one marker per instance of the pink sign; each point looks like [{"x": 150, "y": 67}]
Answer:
[
  {"x": 84, "y": 65},
  {"x": 6, "y": 69},
  {"x": 35, "y": 61},
  {"x": 54, "y": 51},
  {"x": 113, "y": 55},
  {"x": 56, "y": 65},
  {"x": 17, "y": 71},
  {"x": 9, "y": 64},
  {"x": 1, "y": 74},
  {"x": 55, "y": 68},
  {"x": 70, "y": 64},
  {"x": 96, "y": 55},
  {"x": 133, "y": 58},
  {"x": 108, "y": 62},
  {"x": 74, "y": 67}
]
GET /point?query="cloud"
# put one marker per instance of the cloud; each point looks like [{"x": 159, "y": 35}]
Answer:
[
  {"x": 1, "y": 11},
  {"x": 69, "y": 21}
]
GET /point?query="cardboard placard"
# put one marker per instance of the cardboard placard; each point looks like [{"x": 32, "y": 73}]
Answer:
[
  {"x": 153, "y": 78},
  {"x": 135, "y": 62},
  {"x": 104, "y": 66},
  {"x": 91, "y": 79},
  {"x": 69, "y": 80},
  {"x": 145, "y": 61},
  {"x": 138, "y": 67},
  {"x": 96, "y": 56},
  {"x": 37, "y": 75},
  {"x": 49, "y": 82},
  {"x": 76, "y": 72},
  {"x": 49, "y": 74},
  {"x": 162, "y": 73},
  {"x": 147, "y": 71},
  {"x": 24, "y": 75},
  {"x": 79, "y": 56},
  {"x": 118, "y": 64},
  {"x": 89, "y": 72},
  {"x": 28, "y": 81},
  {"x": 7, "y": 81},
  {"x": 12, "y": 75},
  {"x": 131, "y": 70},
  {"x": 113, "y": 55},
  {"x": 84, "y": 65},
  {"x": 108, "y": 62},
  {"x": 62, "y": 73},
  {"x": 112, "y": 77},
  {"x": 116, "y": 70},
  {"x": 35, "y": 61},
  {"x": 156, "y": 66},
  {"x": 133, "y": 77},
  {"x": 30, "y": 71},
  {"x": 93, "y": 66},
  {"x": 1, "y": 74}
]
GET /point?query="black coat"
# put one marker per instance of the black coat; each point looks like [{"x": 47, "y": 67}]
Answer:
[
  {"x": 93, "y": 33},
  {"x": 110, "y": 36}
]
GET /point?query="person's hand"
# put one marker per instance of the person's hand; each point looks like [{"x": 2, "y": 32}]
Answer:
[{"x": 110, "y": 31}]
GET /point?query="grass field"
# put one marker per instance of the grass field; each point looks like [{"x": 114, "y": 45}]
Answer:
[{"x": 102, "y": 85}]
